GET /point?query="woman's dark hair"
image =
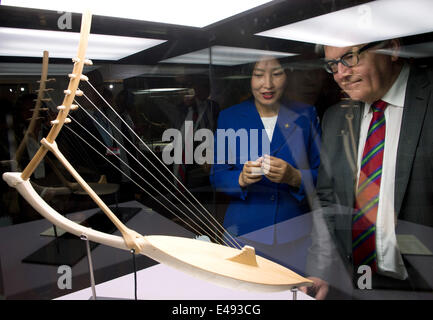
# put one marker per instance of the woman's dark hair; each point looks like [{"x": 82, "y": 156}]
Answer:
[{"x": 248, "y": 69}]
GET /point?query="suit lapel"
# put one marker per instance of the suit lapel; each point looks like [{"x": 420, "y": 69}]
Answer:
[
  {"x": 284, "y": 128},
  {"x": 250, "y": 112},
  {"x": 252, "y": 116},
  {"x": 251, "y": 120},
  {"x": 354, "y": 112},
  {"x": 415, "y": 106}
]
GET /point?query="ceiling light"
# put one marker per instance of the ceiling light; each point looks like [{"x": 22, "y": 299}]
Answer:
[
  {"x": 237, "y": 77},
  {"x": 419, "y": 50},
  {"x": 61, "y": 44},
  {"x": 225, "y": 56},
  {"x": 34, "y": 69},
  {"x": 159, "y": 90},
  {"x": 373, "y": 21},
  {"x": 195, "y": 13}
]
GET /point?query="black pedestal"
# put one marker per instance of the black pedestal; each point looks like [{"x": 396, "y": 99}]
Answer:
[{"x": 68, "y": 249}]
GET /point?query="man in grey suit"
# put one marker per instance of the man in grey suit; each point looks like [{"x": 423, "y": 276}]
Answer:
[{"x": 368, "y": 75}]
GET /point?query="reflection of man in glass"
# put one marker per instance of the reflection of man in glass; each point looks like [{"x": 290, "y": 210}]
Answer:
[
  {"x": 91, "y": 125},
  {"x": 391, "y": 174},
  {"x": 203, "y": 112},
  {"x": 308, "y": 83}
]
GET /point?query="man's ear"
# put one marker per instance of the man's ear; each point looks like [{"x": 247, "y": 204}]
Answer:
[{"x": 395, "y": 49}]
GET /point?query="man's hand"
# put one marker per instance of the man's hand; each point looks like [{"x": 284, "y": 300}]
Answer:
[
  {"x": 279, "y": 171},
  {"x": 251, "y": 173},
  {"x": 318, "y": 290}
]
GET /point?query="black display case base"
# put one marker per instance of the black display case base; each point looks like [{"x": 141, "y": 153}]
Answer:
[{"x": 69, "y": 249}]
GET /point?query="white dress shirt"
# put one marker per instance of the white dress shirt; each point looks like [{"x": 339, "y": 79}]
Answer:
[
  {"x": 269, "y": 124},
  {"x": 389, "y": 260}
]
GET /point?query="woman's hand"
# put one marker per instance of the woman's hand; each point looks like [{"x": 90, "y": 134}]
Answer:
[
  {"x": 279, "y": 171},
  {"x": 251, "y": 172}
]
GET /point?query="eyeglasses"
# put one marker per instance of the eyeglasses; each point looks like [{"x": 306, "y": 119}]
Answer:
[{"x": 349, "y": 59}]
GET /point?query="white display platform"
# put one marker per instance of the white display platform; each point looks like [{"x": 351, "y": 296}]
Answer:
[
  {"x": 19, "y": 280},
  {"x": 161, "y": 282}
]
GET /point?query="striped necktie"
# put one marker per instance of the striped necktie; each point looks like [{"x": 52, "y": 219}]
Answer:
[{"x": 367, "y": 194}]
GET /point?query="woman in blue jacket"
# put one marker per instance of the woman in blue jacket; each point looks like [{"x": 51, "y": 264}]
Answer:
[{"x": 270, "y": 174}]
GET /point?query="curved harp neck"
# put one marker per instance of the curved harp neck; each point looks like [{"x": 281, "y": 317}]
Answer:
[
  {"x": 70, "y": 93},
  {"x": 35, "y": 115}
]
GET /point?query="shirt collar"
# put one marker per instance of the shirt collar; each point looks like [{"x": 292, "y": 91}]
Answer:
[{"x": 397, "y": 93}]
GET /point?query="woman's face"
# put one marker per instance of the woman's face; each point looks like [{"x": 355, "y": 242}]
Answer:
[{"x": 268, "y": 82}]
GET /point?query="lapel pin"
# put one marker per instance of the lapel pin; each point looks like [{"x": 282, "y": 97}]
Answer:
[{"x": 286, "y": 125}]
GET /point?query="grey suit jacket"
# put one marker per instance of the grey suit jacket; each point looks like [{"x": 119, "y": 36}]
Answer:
[{"x": 337, "y": 174}]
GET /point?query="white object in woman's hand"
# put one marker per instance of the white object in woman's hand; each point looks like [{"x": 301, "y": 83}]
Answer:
[
  {"x": 249, "y": 174},
  {"x": 259, "y": 169}
]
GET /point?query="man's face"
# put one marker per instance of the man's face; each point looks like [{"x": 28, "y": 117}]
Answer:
[{"x": 367, "y": 81}]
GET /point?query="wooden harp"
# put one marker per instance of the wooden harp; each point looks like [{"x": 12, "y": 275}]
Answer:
[{"x": 223, "y": 265}]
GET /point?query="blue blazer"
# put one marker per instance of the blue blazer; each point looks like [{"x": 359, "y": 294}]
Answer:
[{"x": 296, "y": 140}]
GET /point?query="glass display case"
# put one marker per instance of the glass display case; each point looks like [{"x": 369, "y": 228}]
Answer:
[{"x": 253, "y": 113}]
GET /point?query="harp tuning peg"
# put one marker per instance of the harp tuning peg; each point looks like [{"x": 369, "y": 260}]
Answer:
[
  {"x": 37, "y": 118},
  {"x": 45, "y": 90},
  {"x": 48, "y": 80}
]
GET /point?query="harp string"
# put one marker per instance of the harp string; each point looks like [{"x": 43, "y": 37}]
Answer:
[
  {"x": 73, "y": 143},
  {"x": 134, "y": 158},
  {"x": 133, "y": 181},
  {"x": 120, "y": 170},
  {"x": 152, "y": 187},
  {"x": 206, "y": 213}
]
